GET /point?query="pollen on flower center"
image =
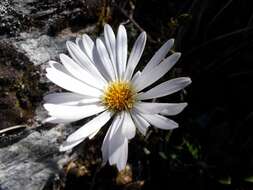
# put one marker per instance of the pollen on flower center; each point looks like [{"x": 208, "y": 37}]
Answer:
[{"x": 118, "y": 96}]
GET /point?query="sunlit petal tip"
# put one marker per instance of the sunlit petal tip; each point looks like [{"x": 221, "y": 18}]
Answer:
[
  {"x": 68, "y": 43},
  {"x": 178, "y": 54},
  {"x": 188, "y": 80},
  {"x": 144, "y": 34},
  {"x": 107, "y": 27},
  {"x": 171, "y": 41},
  {"x": 46, "y": 106},
  {"x": 122, "y": 27}
]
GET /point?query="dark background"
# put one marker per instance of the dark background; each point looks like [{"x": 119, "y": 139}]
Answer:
[{"x": 213, "y": 147}]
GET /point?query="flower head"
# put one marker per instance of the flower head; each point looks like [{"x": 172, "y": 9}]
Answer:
[{"x": 101, "y": 81}]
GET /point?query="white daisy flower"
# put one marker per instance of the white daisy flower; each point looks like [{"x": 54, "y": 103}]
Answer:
[{"x": 101, "y": 81}]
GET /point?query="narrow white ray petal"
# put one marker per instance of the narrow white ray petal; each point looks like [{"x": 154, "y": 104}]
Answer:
[
  {"x": 88, "y": 45},
  {"x": 80, "y": 73},
  {"x": 92, "y": 126},
  {"x": 79, "y": 43},
  {"x": 105, "y": 147},
  {"x": 100, "y": 65},
  {"x": 91, "y": 52},
  {"x": 165, "y": 88},
  {"x": 69, "y": 83},
  {"x": 159, "y": 56},
  {"x": 57, "y": 120},
  {"x": 121, "y": 50},
  {"x": 160, "y": 121},
  {"x": 140, "y": 122},
  {"x": 116, "y": 140},
  {"x": 110, "y": 133},
  {"x": 69, "y": 145},
  {"x": 135, "y": 55},
  {"x": 174, "y": 109},
  {"x": 82, "y": 59},
  {"x": 123, "y": 154},
  {"x": 110, "y": 43},
  {"x": 117, "y": 146},
  {"x": 162, "y": 108},
  {"x": 156, "y": 73},
  {"x": 63, "y": 97},
  {"x": 93, "y": 134},
  {"x": 128, "y": 126},
  {"x": 58, "y": 66},
  {"x": 72, "y": 112},
  {"x": 103, "y": 54},
  {"x": 135, "y": 77},
  {"x": 71, "y": 99}
]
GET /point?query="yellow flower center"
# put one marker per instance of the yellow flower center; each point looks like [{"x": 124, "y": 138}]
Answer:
[{"x": 118, "y": 96}]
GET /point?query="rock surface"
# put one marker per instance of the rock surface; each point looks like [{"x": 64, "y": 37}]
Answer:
[
  {"x": 33, "y": 161},
  {"x": 31, "y": 33}
]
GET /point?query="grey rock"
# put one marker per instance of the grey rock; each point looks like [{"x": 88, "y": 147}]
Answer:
[
  {"x": 29, "y": 163},
  {"x": 41, "y": 48}
]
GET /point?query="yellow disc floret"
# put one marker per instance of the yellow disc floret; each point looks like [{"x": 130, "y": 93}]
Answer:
[{"x": 118, "y": 96}]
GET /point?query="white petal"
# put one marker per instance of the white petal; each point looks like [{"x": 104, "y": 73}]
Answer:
[
  {"x": 93, "y": 134},
  {"x": 58, "y": 66},
  {"x": 140, "y": 123},
  {"x": 110, "y": 133},
  {"x": 80, "y": 73},
  {"x": 136, "y": 76},
  {"x": 156, "y": 73},
  {"x": 128, "y": 126},
  {"x": 82, "y": 59},
  {"x": 115, "y": 145},
  {"x": 121, "y": 50},
  {"x": 100, "y": 65},
  {"x": 69, "y": 83},
  {"x": 105, "y": 147},
  {"x": 72, "y": 112},
  {"x": 160, "y": 121},
  {"x": 116, "y": 139},
  {"x": 123, "y": 154},
  {"x": 91, "y": 51},
  {"x": 135, "y": 55},
  {"x": 162, "y": 108},
  {"x": 57, "y": 120},
  {"x": 69, "y": 145},
  {"x": 159, "y": 56},
  {"x": 103, "y": 54},
  {"x": 79, "y": 43},
  {"x": 165, "y": 88},
  {"x": 70, "y": 99},
  {"x": 63, "y": 97},
  {"x": 174, "y": 109},
  {"x": 88, "y": 45},
  {"x": 110, "y": 42},
  {"x": 91, "y": 127},
  {"x": 118, "y": 146}
]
